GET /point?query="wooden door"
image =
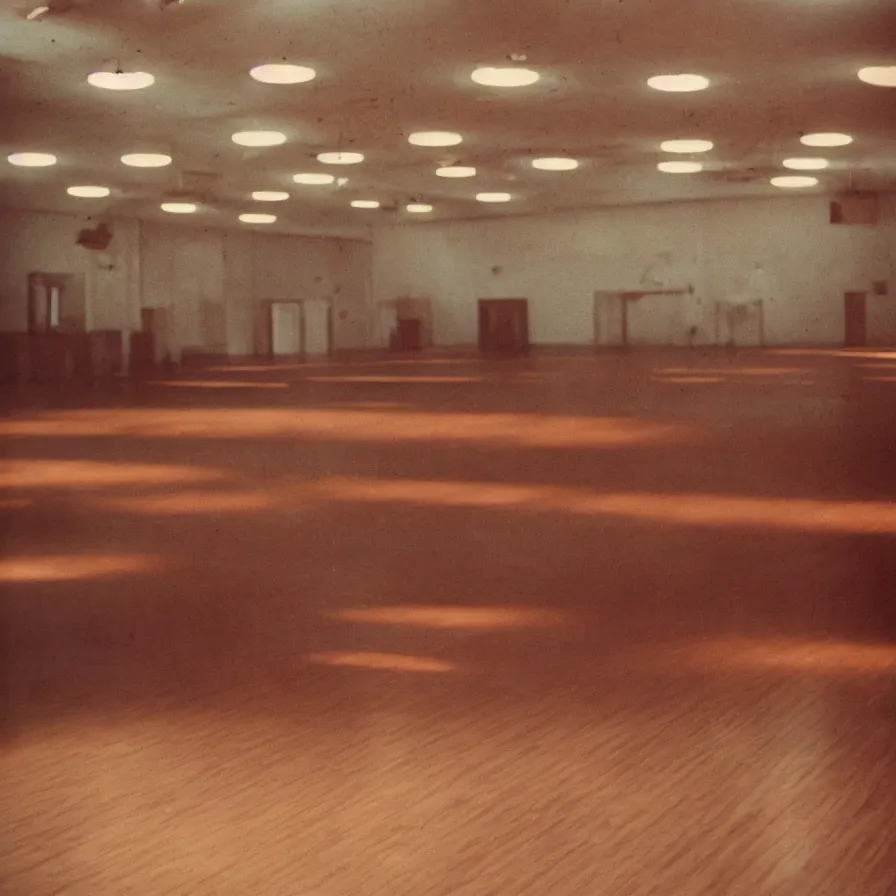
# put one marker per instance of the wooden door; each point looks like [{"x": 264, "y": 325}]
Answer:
[
  {"x": 504, "y": 326},
  {"x": 855, "y": 322}
]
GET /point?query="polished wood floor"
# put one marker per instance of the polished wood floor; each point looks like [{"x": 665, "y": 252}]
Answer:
[{"x": 615, "y": 625}]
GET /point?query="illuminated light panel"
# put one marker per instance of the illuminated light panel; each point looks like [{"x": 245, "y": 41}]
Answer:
[
  {"x": 826, "y": 138},
  {"x": 878, "y": 75},
  {"x": 146, "y": 159},
  {"x": 418, "y": 208},
  {"x": 282, "y": 73},
  {"x": 259, "y": 138},
  {"x": 686, "y": 145},
  {"x": 87, "y": 192},
  {"x": 434, "y": 138},
  {"x": 799, "y": 164},
  {"x": 37, "y": 12},
  {"x": 793, "y": 181},
  {"x": 388, "y": 662},
  {"x": 270, "y": 195},
  {"x": 69, "y": 567},
  {"x": 313, "y": 177},
  {"x": 457, "y": 617},
  {"x": 257, "y": 218},
  {"x": 178, "y": 208},
  {"x": 120, "y": 80},
  {"x": 679, "y": 167},
  {"x": 686, "y": 83},
  {"x": 493, "y": 197},
  {"x": 456, "y": 171},
  {"x": 31, "y": 159},
  {"x": 365, "y": 203},
  {"x": 504, "y": 76},
  {"x": 340, "y": 158},
  {"x": 555, "y": 164}
]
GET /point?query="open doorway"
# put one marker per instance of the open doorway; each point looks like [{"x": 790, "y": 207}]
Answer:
[
  {"x": 286, "y": 329},
  {"x": 855, "y": 320},
  {"x": 504, "y": 326}
]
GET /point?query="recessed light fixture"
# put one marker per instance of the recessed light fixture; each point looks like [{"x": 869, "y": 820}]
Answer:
[
  {"x": 418, "y": 208},
  {"x": 88, "y": 192},
  {"x": 313, "y": 177},
  {"x": 120, "y": 80},
  {"x": 686, "y": 145},
  {"x": 37, "y": 12},
  {"x": 340, "y": 158},
  {"x": 434, "y": 138},
  {"x": 493, "y": 197},
  {"x": 31, "y": 159},
  {"x": 365, "y": 203},
  {"x": 259, "y": 138},
  {"x": 146, "y": 159},
  {"x": 456, "y": 171},
  {"x": 282, "y": 73},
  {"x": 826, "y": 138},
  {"x": 257, "y": 218},
  {"x": 179, "y": 208},
  {"x": 678, "y": 83},
  {"x": 270, "y": 195},
  {"x": 879, "y": 75},
  {"x": 505, "y": 76},
  {"x": 555, "y": 164},
  {"x": 680, "y": 167},
  {"x": 805, "y": 164},
  {"x": 793, "y": 181}
]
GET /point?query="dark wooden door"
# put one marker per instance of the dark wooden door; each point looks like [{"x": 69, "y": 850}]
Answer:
[
  {"x": 410, "y": 334},
  {"x": 855, "y": 322},
  {"x": 504, "y": 326}
]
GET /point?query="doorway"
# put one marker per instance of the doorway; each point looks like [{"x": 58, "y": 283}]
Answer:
[
  {"x": 855, "y": 320},
  {"x": 286, "y": 329},
  {"x": 504, "y": 326}
]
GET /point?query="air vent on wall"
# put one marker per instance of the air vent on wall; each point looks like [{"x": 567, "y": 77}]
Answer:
[{"x": 854, "y": 208}]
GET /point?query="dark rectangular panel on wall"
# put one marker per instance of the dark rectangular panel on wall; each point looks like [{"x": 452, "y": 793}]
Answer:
[
  {"x": 504, "y": 326},
  {"x": 855, "y": 320}
]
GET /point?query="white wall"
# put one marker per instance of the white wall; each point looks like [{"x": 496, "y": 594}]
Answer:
[
  {"x": 781, "y": 250},
  {"x": 209, "y": 280}
]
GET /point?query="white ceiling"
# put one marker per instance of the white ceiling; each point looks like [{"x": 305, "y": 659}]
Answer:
[{"x": 778, "y": 68}]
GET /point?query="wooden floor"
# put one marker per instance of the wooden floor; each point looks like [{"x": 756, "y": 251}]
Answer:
[{"x": 615, "y": 625}]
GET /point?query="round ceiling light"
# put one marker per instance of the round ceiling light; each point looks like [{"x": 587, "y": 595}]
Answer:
[
  {"x": 826, "y": 138},
  {"x": 365, "y": 203},
  {"x": 146, "y": 159},
  {"x": 793, "y": 181},
  {"x": 259, "y": 138},
  {"x": 456, "y": 171},
  {"x": 88, "y": 192},
  {"x": 686, "y": 145},
  {"x": 120, "y": 80},
  {"x": 31, "y": 159},
  {"x": 678, "y": 83},
  {"x": 805, "y": 164},
  {"x": 179, "y": 208},
  {"x": 282, "y": 73},
  {"x": 257, "y": 218},
  {"x": 680, "y": 167},
  {"x": 493, "y": 197},
  {"x": 879, "y": 75},
  {"x": 340, "y": 158},
  {"x": 313, "y": 177},
  {"x": 434, "y": 138},
  {"x": 505, "y": 76},
  {"x": 270, "y": 195},
  {"x": 555, "y": 164},
  {"x": 418, "y": 208}
]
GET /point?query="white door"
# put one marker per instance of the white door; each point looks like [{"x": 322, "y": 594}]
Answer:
[
  {"x": 317, "y": 327},
  {"x": 286, "y": 328}
]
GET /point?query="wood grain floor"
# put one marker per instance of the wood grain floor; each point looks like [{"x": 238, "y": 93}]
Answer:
[{"x": 616, "y": 625}]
